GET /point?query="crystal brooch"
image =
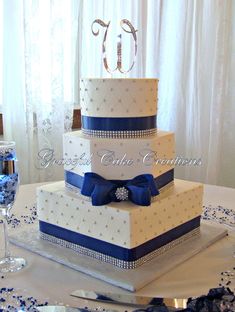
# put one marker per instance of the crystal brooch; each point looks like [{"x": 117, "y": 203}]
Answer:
[{"x": 121, "y": 193}]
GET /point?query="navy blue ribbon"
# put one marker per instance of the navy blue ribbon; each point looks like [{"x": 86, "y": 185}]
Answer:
[
  {"x": 116, "y": 251},
  {"x": 76, "y": 180},
  {"x": 119, "y": 123},
  {"x": 102, "y": 191}
]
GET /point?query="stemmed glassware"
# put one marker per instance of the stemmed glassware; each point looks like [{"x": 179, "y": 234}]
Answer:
[{"x": 9, "y": 181}]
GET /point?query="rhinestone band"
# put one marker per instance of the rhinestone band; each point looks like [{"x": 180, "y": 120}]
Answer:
[
  {"x": 119, "y": 134},
  {"x": 116, "y": 262}
]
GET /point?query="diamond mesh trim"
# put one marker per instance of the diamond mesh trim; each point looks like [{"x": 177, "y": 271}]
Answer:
[
  {"x": 116, "y": 262},
  {"x": 119, "y": 134}
]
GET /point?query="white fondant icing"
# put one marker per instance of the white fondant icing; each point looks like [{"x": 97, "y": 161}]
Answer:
[
  {"x": 118, "y": 158},
  {"x": 123, "y": 224},
  {"x": 114, "y": 155},
  {"x": 118, "y": 97}
]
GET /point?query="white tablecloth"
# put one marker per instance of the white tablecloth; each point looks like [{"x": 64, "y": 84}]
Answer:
[{"x": 45, "y": 279}]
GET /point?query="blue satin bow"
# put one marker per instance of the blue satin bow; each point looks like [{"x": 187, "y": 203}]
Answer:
[{"x": 102, "y": 191}]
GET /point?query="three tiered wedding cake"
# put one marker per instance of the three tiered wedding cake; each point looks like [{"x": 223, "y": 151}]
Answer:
[{"x": 120, "y": 202}]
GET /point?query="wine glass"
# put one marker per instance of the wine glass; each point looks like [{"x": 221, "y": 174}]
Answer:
[{"x": 9, "y": 180}]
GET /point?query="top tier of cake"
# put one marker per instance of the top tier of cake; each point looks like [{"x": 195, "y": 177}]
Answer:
[
  {"x": 118, "y": 97},
  {"x": 118, "y": 105}
]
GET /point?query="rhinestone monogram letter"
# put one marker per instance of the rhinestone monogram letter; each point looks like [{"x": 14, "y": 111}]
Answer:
[{"x": 131, "y": 30}]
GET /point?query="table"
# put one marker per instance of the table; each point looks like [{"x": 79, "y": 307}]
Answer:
[{"x": 47, "y": 280}]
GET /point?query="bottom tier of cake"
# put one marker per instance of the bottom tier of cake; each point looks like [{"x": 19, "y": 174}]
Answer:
[{"x": 122, "y": 233}]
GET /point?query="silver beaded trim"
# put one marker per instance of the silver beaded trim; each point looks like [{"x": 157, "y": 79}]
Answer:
[
  {"x": 116, "y": 262},
  {"x": 119, "y": 134}
]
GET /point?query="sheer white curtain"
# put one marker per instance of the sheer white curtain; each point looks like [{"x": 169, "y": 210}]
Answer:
[
  {"x": 38, "y": 81},
  {"x": 196, "y": 86},
  {"x": 188, "y": 45}
]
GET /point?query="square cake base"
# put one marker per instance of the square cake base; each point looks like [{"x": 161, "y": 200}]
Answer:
[
  {"x": 131, "y": 280},
  {"x": 123, "y": 233}
]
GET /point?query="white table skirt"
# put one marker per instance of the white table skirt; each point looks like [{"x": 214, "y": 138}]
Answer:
[{"x": 47, "y": 280}]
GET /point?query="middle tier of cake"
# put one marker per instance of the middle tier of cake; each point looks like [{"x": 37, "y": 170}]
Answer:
[{"x": 120, "y": 159}]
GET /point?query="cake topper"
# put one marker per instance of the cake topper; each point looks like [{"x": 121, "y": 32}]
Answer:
[{"x": 130, "y": 30}]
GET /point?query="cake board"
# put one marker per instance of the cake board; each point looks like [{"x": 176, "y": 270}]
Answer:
[{"x": 131, "y": 280}]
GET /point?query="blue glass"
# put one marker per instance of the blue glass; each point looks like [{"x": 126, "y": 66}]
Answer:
[
  {"x": 8, "y": 188},
  {"x": 9, "y": 181}
]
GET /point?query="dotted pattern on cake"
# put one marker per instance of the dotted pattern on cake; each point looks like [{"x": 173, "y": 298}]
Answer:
[
  {"x": 123, "y": 224},
  {"x": 118, "y": 97},
  {"x": 160, "y": 146}
]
